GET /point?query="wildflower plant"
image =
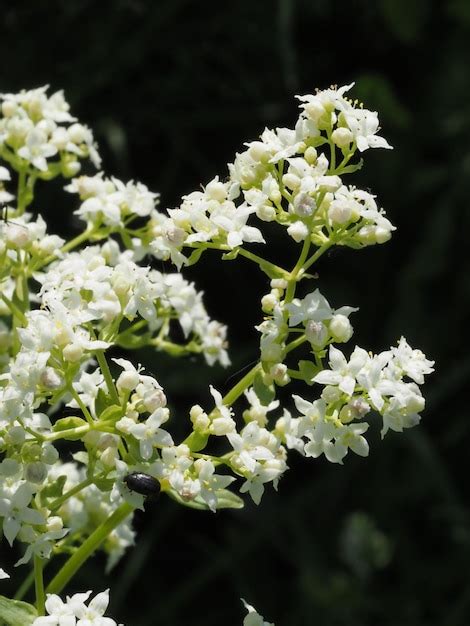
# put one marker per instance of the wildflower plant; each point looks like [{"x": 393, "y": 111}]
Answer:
[{"x": 64, "y": 304}]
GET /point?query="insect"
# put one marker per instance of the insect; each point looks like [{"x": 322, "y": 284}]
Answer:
[{"x": 144, "y": 484}]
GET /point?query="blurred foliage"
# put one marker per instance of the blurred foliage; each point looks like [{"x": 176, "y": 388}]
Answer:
[{"x": 172, "y": 89}]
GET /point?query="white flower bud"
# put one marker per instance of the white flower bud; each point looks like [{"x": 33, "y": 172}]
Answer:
[
  {"x": 128, "y": 380},
  {"x": 340, "y": 328},
  {"x": 108, "y": 457},
  {"x": 330, "y": 394},
  {"x": 329, "y": 183},
  {"x": 50, "y": 378},
  {"x": 298, "y": 231},
  {"x": 279, "y": 283},
  {"x": 222, "y": 426},
  {"x": 156, "y": 400},
  {"x": 359, "y": 406},
  {"x": 73, "y": 353},
  {"x": 17, "y": 236},
  {"x": 49, "y": 454},
  {"x": 199, "y": 418},
  {"x": 316, "y": 333},
  {"x": 78, "y": 133},
  {"x": 382, "y": 235},
  {"x": 175, "y": 235},
  {"x": 259, "y": 151},
  {"x": 311, "y": 155},
  {"x": 342, "y": 137},
  {"x": 366, "y": 234},
  {"x": 279, "y": 374},
  {"x": 339, "y": 212},
  {"x": 15, "y": 435},
  {"x": 315, "y": 110},
  {"x": 291, "y": 181},
  {"x": 71, "y": 168},
  {"x": 216, "y": 190},
  {"x": 266, "y": 213},
  {"x": 268, "y": 302},
  {"x": 54, "y": 523},
  {"x": 9, "y": 108},
  {"x": 36, "y": 472},
  {"x": 271, "y": 352}
]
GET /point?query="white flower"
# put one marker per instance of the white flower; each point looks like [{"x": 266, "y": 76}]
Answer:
[
  {"x": 3, "y": 574},
  {"x": 210, "y": 482},
  {"x": 411, "y": 362},
  {"x": 37, "y": 149},
  {"x": 253, "y": 618},
  {"x": 15, "y": 510},
  {"x": 257, "y": 411},
  {"x": 222, "y": 423},
  {"x": 149, "y": 433},
  {"x": 343, "y": 373},
  {"x": 364, "y": 125},
  {"x": 74, "y": 612}
]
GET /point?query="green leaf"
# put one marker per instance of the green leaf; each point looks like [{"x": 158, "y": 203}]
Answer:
[
  {"x": 67, "y": 423},
  {"x": 111, "y": 413},
  {"x": 307, "y": 370},
  {"x": 228, "y": 500},
  {"x": 197, "y": 441},
  {"x": 265, "y": 393},
  {"x": 194, "y": 256},
  {"x": 16, "y": 613}
]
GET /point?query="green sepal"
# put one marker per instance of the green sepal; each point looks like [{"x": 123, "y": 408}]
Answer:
[
  {"x": 16, "y": 613},
  {"x": 229, "y": 256},
  {"x": 225, "y": 500},
  {"x": 265, "y": 393},
  {"x": 354, "y": 167},
  {"x": 104, "y": 484},
  {"x": 307, "y": 370},
  {"x": 194, "y": 256},
  {"x": 132, "y": 342},
  {"x": 54, "y": 490},
  {"x": 196, "y": 441},
  {"x": 102, "y": 401},
  {"x": 67, "y": 423},
  {"x": 111, "y": 413}
]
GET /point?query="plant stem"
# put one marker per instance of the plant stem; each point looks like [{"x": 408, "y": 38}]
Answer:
[
  {"x": 55, "y": 504},
  {"x": 240, "y": 387},
  {"x": 318, "y": 254},
  {"x": 73, "y": 243},
  {"x": 103, "y": 363},
  {"x": 39, "y": 585},
  {"x": 87, "y": 548}
]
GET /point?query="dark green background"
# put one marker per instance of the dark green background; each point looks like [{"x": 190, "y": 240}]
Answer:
[{"x": 172, "y": 89}]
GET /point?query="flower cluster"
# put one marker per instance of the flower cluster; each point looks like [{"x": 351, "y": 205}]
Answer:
[
  {"x": 75, "y": 612},
  {"x": 64, "y": 305},
  {"x": 37, "y": 133}
]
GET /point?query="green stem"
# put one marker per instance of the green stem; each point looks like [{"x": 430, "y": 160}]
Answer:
[
  {"x": 39, "y": 585},
  {"x": 103, "y": 363},
  {"x": 82, "y": 405},
  {"x": 73, "y": 243},
  {"x": 240, "y": 387},
  {"x": 318, "y": 254},
  {"x": 70, "y": 432},
  {"x": 275, "y": 269},
  {"x": 20, "y": 192},
  {"x": 58, "y": 502},
  {"x": 25, "y": 585},
  {"x": 296, "y": 343},
  {"x": 290, "y": 292},
  {"x": 87, "y": 548},
  {"x": 16, "y": 312}
]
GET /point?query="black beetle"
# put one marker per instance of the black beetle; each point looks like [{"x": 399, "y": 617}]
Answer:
[{"x": 142, "y": 483}]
